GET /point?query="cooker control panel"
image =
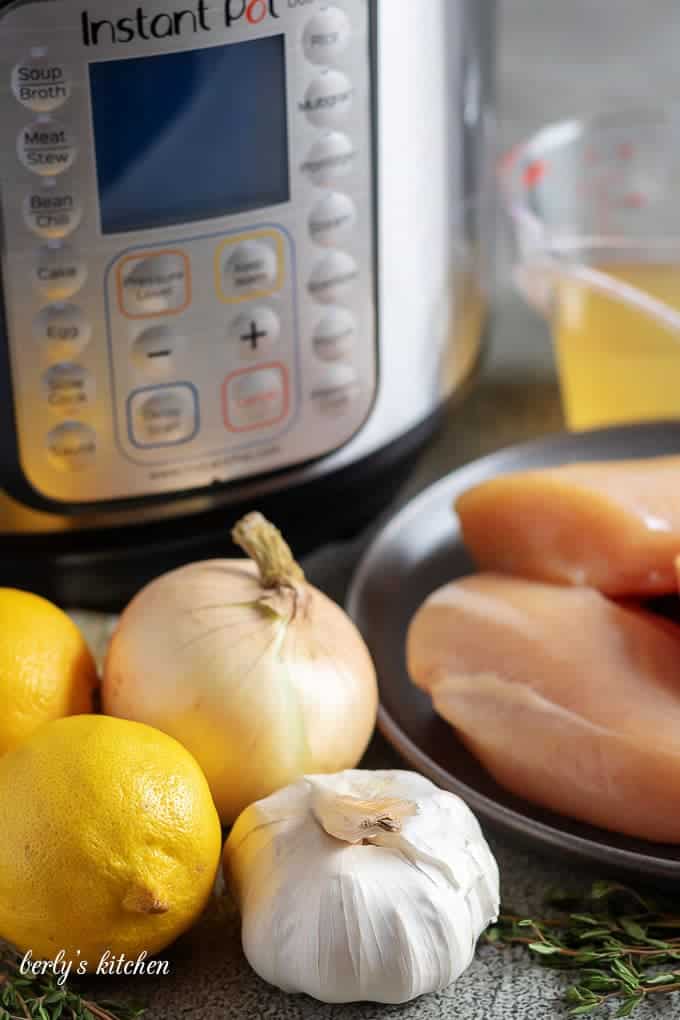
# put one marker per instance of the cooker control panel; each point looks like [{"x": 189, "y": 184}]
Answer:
[{"x": 188, "y": 252}]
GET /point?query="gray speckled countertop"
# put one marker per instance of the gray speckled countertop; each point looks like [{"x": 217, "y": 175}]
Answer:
[{"x": 558, "y": 58}]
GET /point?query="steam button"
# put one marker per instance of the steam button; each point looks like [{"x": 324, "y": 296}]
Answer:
[
  {"x": 335, "y": 335},
  {"x": 47, "y": 148},
  {"x": 41, "y": 84},
  {"x": 332, "y": 219},
  {"x": 328, "y": 99},
  {"x": 326, "y": 36},
  {"x": 72, "y": 446},
  {"x": 334, "y": 277}
]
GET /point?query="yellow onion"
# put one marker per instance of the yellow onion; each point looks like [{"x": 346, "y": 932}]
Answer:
[{"x": 261, "y": 676}]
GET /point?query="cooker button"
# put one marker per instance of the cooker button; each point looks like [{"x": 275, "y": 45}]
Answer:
[
  {"x": 332, "y": 219},
  {"x": 59, "y": 273},
  {"x": 151, "y": 285},
  {"x": 330, "y": 158},
  {"x": 46, "y": 147},
  {"x": 165, "y": 416},
  {"x": 255, "y": 333},
  {"x": 63, "y": 330},
  {"x": 335, "y": 335},
  {"x": 251, "y": 269},
  {"x": 328, "y": 99},
  {"x": 41, "y": 84},
  {"x": 334, "y": 277},
  {"x": 52, "y": 213},
  {"x": 326, "y": 35},
  {"x": 336, "y": 389},
  {"x": 153, "y": 352},
  {"x": 69, "y": 389},
  {"x": 72, "y": 446},
  {"x": 255, "y": 398}
]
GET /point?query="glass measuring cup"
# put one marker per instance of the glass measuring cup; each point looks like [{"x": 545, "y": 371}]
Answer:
[{"x": 594, "y": 209}]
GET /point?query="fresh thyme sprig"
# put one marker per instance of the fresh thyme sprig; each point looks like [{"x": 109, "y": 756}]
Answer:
[
  {"x": 625, "y": 946},
  {"x": 24, "y": 997}
]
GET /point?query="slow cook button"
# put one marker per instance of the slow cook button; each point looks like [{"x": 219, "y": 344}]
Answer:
[
  {"x": 251, "y": 269},
  {"x": 328, "y": 99},
  {"x": 54, "y": 213},
  {"x": 47, "y": 148},
  {"x": 41, "y": 84},
  {"x": 326, "y": 36},
  {"x": 63, "y": 331},
  {"x": 335, "y": 336},
  {"x": 59, "y": 273},
  {"x": 69, "y": 389},
  {"x": 332, "y": 219},
  {"x": 255, "y": 333},
  {"x": 151, "y": 285},
  {"x": 164, "y": 416},
  {"x": 329, "y": 159},
  {"x": 72, "y": 446},
  {"x": 255, "y": 398},
  {"x": 334, "y": 277}
]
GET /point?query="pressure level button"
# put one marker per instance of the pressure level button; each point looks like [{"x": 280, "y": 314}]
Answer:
[
  {"x": 46, "y": 147},
  {"x": 41, "y": 84}
]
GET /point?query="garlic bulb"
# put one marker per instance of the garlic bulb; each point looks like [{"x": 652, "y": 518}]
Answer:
[{"x": 361, "y": 886}]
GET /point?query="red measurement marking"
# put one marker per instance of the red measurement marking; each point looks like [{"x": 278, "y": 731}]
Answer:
[
  {"x": 633, "y": 200},
  {"x": 625, "y": 151},
  {"x": 534, "y": 173},
  {"x": 592, "y": 155}
]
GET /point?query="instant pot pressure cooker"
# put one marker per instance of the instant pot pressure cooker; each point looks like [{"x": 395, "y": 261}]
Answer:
[{"x": 242, "y": 267}]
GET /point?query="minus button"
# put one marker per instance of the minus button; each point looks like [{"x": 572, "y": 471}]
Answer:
[{"x": 155, "y": 351}]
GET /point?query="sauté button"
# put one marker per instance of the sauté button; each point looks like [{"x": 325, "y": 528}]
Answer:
[
  {"x": 335, "y": 336},
  {"x": 334, "y": 277},
  {"x": 46, "y": 147},
  {"x": 251, "y": 268},
  {"x": 41, "y": 84},
  {"x": 151, "y": 285},
  {"x": 330, "y": 158},
  {"x": 69, "y": 389},
  {"x": 326, "y": 35},
  {"x": 165, "y": 416},
  {"x": 255, "y": 398},
  {"x": 52, "y": 212},
  {"x": 255, "y": 333},
  {"x": 328, "y": 99},
  {"x": 59, "y": 273},
  {"x": 72, "y": 446},
  {"x": 332, "y": 219},
  {"x": 64, "y": 331},
  {"x": 154, "y": 351}
]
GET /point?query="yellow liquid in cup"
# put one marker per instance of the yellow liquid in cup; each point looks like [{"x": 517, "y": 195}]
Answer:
[{"x": 616, "y": 364}]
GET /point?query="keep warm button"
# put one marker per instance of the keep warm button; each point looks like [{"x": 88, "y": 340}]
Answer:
[{"x": 255, "y": 398}]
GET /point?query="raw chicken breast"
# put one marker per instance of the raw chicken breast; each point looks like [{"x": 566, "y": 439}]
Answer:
[
  {"x": 614, "y": 526},
  {"x": 569, "y": 700}
]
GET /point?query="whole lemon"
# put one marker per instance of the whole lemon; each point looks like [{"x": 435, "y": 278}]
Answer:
[
  {"x": 46, "y": 670},
  {"x": 110, "y": 840}
]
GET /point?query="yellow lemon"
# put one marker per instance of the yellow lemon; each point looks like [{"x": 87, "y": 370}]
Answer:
[
  {"x": 46, "y": 670},
  {"x": 110, "y": 840}
]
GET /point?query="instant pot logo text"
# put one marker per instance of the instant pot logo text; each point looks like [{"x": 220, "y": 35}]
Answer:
[{"x": 189, "y": 21}]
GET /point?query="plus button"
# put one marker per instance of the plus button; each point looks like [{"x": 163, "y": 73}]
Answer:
[{"x": 253, "y": 335}]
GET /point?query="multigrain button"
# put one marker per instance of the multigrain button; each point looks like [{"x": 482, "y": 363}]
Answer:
[
  {"x": 155, "y": 350},
  {"x": 69, "y": 389},
  {"x": 334, "y": 277},
  {"x": 52, "y": 212},
  {"x": 326, "y": 36},
  {"x": 335, "y": 335},
  {"x": 255, "y": 398},
  {"x": 255, "y": 333},
  {"x": 330, "y": 159},
  {"x": 46, "y": 147},
  {"x": 41, "y": 84},
  {"x": 332, "y": 219},
  {"x": 63, "y": 331},
  {"x": 72, "y": 446},
  {"x": 59, "y": 272},
  {"x": 164, "y": 416},
  {"x": 328, "y": 99},
  {"x": 251, "y": 269},
  {"x": 154, "y": 284}
]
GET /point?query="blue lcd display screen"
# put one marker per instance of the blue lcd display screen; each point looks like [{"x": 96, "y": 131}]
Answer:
[{"x": 190, "y": 136}]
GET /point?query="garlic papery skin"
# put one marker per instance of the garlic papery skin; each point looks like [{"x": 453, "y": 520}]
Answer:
[{"x": 388, "y": 908}]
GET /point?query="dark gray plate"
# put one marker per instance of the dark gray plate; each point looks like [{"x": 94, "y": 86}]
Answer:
[{"x": 421, "y": 549}]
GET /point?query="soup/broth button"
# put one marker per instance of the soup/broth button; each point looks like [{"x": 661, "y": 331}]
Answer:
[{"x": 40, "y": 83}]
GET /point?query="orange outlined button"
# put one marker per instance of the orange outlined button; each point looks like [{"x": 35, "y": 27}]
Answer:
[
  {"x": 154, "y": 283},
  {"x": 256, "y": 398},
  {"x": 249, "y": 266}
]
